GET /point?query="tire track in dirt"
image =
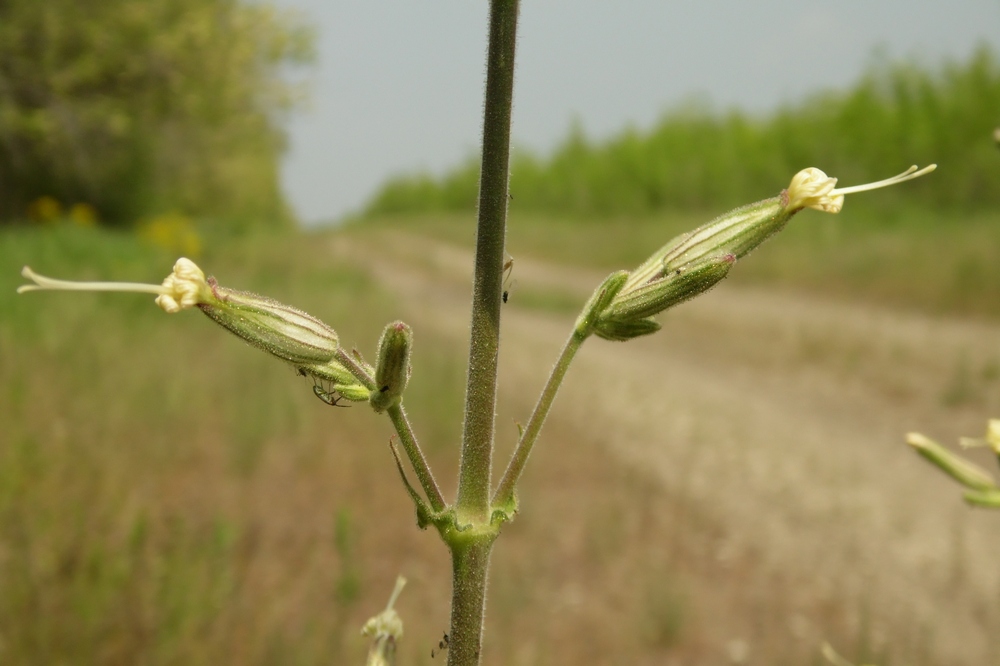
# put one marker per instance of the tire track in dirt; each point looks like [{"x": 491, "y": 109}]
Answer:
[{"x": 778, "y": 415}]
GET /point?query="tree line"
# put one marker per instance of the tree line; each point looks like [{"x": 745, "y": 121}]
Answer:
[
  {"x": 132, "y": 108},
  {"x": 897, "y": 114}
]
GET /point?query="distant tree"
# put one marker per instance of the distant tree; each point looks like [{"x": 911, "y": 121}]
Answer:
[{"x": 139, "y": 106}]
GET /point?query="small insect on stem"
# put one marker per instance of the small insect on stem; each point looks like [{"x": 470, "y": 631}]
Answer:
[
  {"x": 442, "y": 645},
  {"x": 329, "y": 397},
  {"x": 322, "y": 391},
  {"x": 325, "y": 392},
  {"x": 508, "y": 268}
]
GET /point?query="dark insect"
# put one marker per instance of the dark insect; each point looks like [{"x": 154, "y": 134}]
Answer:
[
  {"x": 384, "y": 389},
  {"x": 442, "y": 645},
  {"x": 301, "y": 372}
]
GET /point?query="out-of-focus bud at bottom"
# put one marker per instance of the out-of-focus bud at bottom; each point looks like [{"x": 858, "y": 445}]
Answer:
[
  {"x": 385, "y": 629},
  {"x": 970, "y": 475},
  {"x": 984, "y": 498}
]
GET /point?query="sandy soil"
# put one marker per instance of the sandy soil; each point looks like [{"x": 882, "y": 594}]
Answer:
[{"x": 779, "y": 417}]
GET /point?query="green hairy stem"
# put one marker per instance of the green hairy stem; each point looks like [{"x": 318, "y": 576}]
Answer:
[{"x": 470, "y": 558}]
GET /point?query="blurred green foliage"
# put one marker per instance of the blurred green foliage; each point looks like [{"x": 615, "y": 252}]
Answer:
[
  {"x": 695, "y": 158},
  {"x": 140, "y": 107}
]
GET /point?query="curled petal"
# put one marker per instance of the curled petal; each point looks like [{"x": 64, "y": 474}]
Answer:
[
  {"x": 184, "y": 288},
  {"x": 811, "y": 188}
]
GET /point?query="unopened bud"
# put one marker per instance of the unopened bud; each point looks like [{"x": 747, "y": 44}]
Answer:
[
  {"x": 970, "y": 475},
  {"x": 393, "y": 368},
  {"x": 353, "y": 392},
  {"x": 279, "y": 329},
  {"x": 675, "y": 287},
  {"x": 599, "y": 301},
  {"x": 621, "y": 331},
  {"x": 736, "y": 233}
]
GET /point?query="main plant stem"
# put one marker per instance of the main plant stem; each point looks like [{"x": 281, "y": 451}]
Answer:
[
  {"x": 481, "y": 390},
  {"x": 470, "y": 549},
  {"x": 470, "y": 562}
]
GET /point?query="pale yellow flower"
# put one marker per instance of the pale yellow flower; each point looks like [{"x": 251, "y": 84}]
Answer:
[
  {"x": 182, "y": 289},
  {"x": 811, "y": 188}
]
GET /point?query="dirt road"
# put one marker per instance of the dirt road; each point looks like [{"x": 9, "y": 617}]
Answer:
[{"x": 782, "y": 418}]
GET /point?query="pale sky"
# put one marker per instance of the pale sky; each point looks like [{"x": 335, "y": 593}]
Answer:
[{"x": 398, "y": 84}]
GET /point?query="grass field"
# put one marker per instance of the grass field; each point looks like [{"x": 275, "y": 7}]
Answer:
[{"x": 170, "y": 496}]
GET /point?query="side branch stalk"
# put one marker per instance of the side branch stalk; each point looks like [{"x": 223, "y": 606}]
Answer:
[
  {"x": 416, "y": 456},
  {"x": 505, "y": 491}
]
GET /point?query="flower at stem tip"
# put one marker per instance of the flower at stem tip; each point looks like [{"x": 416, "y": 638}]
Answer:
[
  {"x": 281, "y": 330},
  {"x": 811, "y": 188},
  {"x": 692, "y": 263},
  {"x": 185, "y": 287}
]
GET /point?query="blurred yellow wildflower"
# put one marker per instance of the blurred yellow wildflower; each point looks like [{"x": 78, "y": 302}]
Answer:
[
  {"x": 173, "y": 232},
  {"x": 44, "y": 209},
  {"x": 83, "y": 215}
]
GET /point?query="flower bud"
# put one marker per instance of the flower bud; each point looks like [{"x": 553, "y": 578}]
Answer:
[
  {"x": 393, "y": 368},
  {"x": 280, "y": 330},
  {"x": 353, "y": 392},
  {"x": 622, "y": 331},
  {"x": 599, "y": 301},
  {"x": 331, "y": 371},
  {"x": 970, "y": 475},
  {"x": 678, "y": 285},
  {"x": 736, "y": 233}
]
